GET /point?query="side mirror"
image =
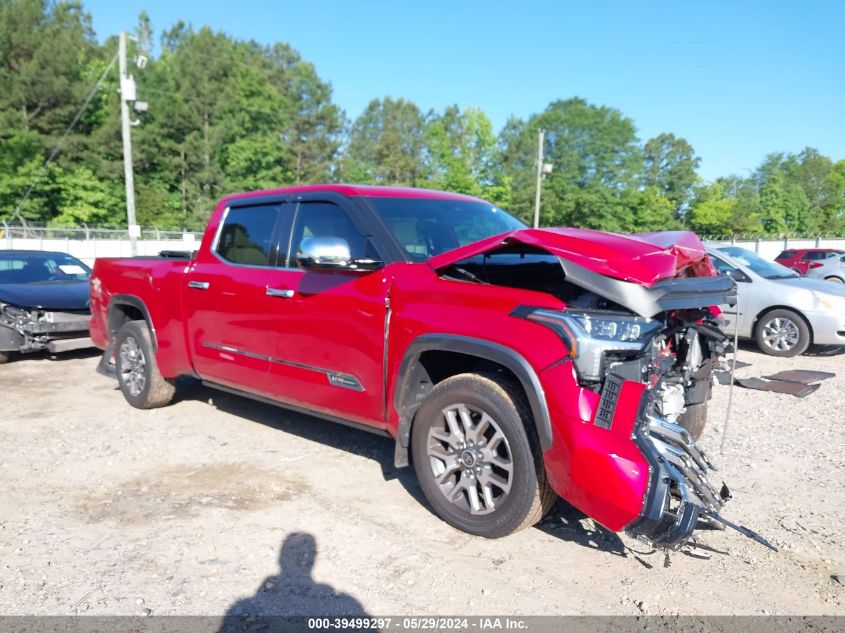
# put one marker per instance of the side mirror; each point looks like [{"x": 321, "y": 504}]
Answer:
[
  {"x": 323, "y": 252},
  {"x": 330, "y": 253},
  {"x": 737, "y": 275}
]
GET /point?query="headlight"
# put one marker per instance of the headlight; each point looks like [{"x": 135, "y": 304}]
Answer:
[
  {"x": 831, "y": 303},
  {"x": 591, "y": 335}
]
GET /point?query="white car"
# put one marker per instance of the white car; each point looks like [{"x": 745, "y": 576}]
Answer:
[
  {"x": 830, "y": 268},
  {"x": 782, "y": 311}
]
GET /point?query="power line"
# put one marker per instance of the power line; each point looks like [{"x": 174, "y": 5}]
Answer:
[{"x": 63, "y": 138}]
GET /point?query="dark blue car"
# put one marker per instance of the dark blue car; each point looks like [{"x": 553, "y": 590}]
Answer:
[{"x": 43, "y": 302}]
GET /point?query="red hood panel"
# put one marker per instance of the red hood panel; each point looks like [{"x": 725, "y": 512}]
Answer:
[{"x": 642, "y": 258}]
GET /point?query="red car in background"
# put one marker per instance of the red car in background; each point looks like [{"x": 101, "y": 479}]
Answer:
[{"x": 801, "y": 260}]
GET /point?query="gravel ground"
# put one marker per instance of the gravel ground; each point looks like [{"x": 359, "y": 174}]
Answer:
[{"x": 193, "y": 508}]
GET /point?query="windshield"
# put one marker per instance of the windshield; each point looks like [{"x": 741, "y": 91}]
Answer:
[
  {"x": 763, "y": 267},
  {"x": 425, "y": 227},
  {"x": 37, "y": 268}
]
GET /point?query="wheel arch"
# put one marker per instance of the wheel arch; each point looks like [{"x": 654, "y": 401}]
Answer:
[
  {"x": 422, "y": 367},
  {"x": 125, "y": 308},
  {"x": 795, "y": 311}
]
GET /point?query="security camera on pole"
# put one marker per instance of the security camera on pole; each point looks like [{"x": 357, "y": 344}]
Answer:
[{"x": 127, "y": 93}]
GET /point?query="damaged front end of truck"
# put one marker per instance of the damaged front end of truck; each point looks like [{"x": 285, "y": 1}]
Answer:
[{"x": 640, "y": 332}]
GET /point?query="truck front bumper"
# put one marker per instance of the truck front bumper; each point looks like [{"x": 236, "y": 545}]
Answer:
[{"x": 619, "y": 463}]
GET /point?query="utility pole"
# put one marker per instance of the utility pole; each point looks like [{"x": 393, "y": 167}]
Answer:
[
  {"x": 127, "y": 93},
  {"x": 540, "y": 170}
]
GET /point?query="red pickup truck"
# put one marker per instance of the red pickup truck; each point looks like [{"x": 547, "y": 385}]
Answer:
[{"x": 509, "y": 364}]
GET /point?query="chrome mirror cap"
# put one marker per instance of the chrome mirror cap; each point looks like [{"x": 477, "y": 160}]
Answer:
[{"x": 323, "y": 252}]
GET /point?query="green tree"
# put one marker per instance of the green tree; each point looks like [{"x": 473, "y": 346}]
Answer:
[
  {"x": 461, "y": 151},
  {"x": 386, "y": 144},
  {"x": 595, "y": 157},
  {"x": 669, "y": 165}
]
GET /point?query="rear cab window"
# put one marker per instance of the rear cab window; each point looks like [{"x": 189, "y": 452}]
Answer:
[{"x": 249, "y": 235}]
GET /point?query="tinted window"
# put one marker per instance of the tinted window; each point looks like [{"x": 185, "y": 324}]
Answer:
[
  {"x": 30, "y": 268},
  {"x": 425, "y": 227},
  {"x": 247, "y": 234},
  {"x": 786, "y": 255},
  {"x": 324, "y": 219},
  {"x": 763, "y": 267},
  {"x": 814, "y": 255}
]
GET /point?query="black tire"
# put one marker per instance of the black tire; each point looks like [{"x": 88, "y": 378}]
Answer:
[
  {"x": 4, "y": 357},
  {"x": 835, "y": 279},
  {"x": 792, "y": 322},
  {"x": 140, "y": 381},
  {"x": 694, "y": 419},
  {"x": 529, "y": 496}
]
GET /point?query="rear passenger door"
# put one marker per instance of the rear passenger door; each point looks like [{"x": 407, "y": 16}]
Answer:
[{"x": 229, "y": 313}]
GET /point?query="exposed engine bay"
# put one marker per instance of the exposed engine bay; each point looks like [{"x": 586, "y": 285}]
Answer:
[{"x": 664, "y": 336}]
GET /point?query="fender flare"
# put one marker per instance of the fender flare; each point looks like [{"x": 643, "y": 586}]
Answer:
[
  {"x": 406, "y": 400},
  {"x": 135, "y": 302}
]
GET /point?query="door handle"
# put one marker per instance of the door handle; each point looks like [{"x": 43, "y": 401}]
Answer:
[
  {"x": 199, "y": 285},
  {"x": 282, "y": 293}
]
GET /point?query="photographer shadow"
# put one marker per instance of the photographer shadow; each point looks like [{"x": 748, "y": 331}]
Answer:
[{"x": 285, "y": 601}]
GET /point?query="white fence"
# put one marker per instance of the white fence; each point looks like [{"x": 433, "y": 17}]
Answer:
[
  {"x": 770, "y": 249},
  {"x": 89, "y": 244}
]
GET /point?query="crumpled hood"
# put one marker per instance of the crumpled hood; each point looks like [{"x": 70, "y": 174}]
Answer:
[
  {"x": 55, "y": 295},
  {"x": 642, "y": 258}
]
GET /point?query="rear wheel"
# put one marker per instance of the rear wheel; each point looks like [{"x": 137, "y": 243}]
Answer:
[
  {"x": 140, "y": 381},
  {"x": 477, "y": 458},
  {"x": 4, "y": 357},
  {"x": 782, "y": 333}
]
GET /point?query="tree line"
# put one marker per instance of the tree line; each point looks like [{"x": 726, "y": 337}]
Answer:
[{"x": 229, "y": 115}]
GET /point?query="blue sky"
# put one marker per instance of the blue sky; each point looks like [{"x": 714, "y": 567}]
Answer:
[{"x": 738, "y": 80}]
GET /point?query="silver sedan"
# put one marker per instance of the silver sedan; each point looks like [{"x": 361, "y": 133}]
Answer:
[
  {"x": 832, "y": 269},
  {"x": 782, "y": 311}
]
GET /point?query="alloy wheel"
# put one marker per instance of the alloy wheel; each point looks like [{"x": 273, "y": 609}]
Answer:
[
  {"x": 132, "y": 366},
  {"x": 470, "y": 459},
  {"x": 781, "y": 334}
]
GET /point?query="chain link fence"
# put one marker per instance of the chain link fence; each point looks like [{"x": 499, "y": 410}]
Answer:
[
  {"x": 31, "y": 231},
  {"x": 88, "y": 243}
]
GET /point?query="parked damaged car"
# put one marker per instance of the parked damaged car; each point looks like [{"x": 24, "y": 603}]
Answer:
[
  {"x": 43, "y": 302},
  {"x": 510, "y": 365}
]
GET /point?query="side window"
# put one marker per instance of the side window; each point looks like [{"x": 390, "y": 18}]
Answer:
[
  {"x": 723, "y": 267},
  {"x": 247, "y": 235},
  {"x": 324, "y": 219},
  {"x": 786, "y": 255}
]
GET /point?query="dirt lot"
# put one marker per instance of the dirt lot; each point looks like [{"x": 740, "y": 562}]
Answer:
[{"x": 190, "y": 509}]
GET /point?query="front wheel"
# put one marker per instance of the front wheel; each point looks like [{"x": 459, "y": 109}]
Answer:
[
  {"x": 835, "y": 279},
  {"x": 477, "y": 457},
  {"x": 694, "y": 419},
  {"x": 4, "y": 357},
  {"x": 140, "y": 381},
  {"x": 782, "y": 333}
]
